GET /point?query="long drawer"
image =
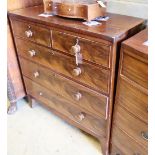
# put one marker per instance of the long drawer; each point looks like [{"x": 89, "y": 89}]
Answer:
[
  {"x": 93, "y": 51},
  {"x": 61, "y": 105},
  {"x": 131, "y": 125},
  {"x": 87, "y": 74},
  {"x": 32, "y": 32},
  {"x": 135, "y": 69},
  {"x": 136, "y": 101},
  {"x": 122, "y": 144},
  {"x": 91, "y": 101}
]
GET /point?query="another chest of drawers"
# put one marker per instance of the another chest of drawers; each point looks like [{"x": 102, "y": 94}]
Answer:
[
  {"x": 79, "y": 91},
  {"x": 130, "y": 119}
]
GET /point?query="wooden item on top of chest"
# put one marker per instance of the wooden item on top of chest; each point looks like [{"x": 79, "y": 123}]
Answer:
[
  {"x": 80, "y": 91},
  {"x": 81, "y": 9}
]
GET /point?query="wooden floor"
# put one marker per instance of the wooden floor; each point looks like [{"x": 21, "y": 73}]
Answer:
[{"x": 38, "y": 132}]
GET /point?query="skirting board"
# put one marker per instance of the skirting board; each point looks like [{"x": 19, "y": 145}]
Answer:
[{"x": 129, "y": 8}]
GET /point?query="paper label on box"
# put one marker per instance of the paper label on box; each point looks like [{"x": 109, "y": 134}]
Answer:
[
  {"x": 92, "y": 23},
  {"x": 101, "y": 4},
  {"x": 45, "y": 15}
]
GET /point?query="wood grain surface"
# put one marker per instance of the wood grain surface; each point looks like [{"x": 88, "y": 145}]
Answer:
[
  {"x": 99, "y": 46},
  {"x": 18, "y": 4},
  {"x": 91, "y": 101},
  {"x": 91, "y": 50},
  {"x": 135, "y": 101},
  {"x": 131, "y": 102},
  {"x": 92, "y": 76},
  {"x": 58, "y": 103},
  {"x": 39, "y": 34},
  {"x": 115, "y": 29},
  {"x": 130, "y": 125},
  {"x": 125, "y": 145}
]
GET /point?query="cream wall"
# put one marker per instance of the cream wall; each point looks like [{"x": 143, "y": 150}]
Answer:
[{"x": 137, "y": 8}]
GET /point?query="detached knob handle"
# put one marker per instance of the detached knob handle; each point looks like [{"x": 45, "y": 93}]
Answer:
[
  {"x": 32, "y": 53},
  {"x": 77, "y": 71},
  {"x": 78, "y": 96},
  {"x": 28, "y": 33},
  {"x": 36, "y": 74}
]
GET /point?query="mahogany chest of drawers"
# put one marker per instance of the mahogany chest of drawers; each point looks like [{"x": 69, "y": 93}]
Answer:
[
  {"x": 70, "y": 67},
  {"x": 130, "y": 119}
]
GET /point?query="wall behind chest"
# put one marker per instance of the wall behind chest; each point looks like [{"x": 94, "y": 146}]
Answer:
[{"x": 136, "y": 8}]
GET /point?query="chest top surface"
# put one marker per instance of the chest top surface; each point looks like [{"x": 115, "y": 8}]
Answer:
[
  {"x": 112, "y": 30},
  {"x": 139, "y": 42}
]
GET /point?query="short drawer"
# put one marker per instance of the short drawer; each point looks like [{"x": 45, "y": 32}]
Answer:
[
  {"x": 85, "y": 73},
  {"x": 91, "y": 101},
  {"x": 62, "y": 106},
  {"x": 32, "y": 32},
  {"x": 131, "y": 125},
  {"x": 122, "y": 144},
  {"x": 135, "y": 69},
  {"x": 132, "y": 99},
  {"x": 95, "y": 52}
]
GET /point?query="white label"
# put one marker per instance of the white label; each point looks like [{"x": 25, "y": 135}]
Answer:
[
  {"x": 78, "y": 58},
  {"x": 101, "y": 4},
  {"x": 45, "y": 15},
  {"x": 146, "y": 43}
]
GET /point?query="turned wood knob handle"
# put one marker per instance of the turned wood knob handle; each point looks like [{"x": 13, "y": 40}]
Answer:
[
  {"x": 28, "y": 33},
  {"x": 32, "y": 53},
  {"x": 75, "y": 49},
  {"x": 144, "y": 135},
  {"x": 76, "y": 71},
  {"x": 40, "y": 93},
  {"x": 81, "y": 116},
  {"x": 78, "y": 96},
  {"x": 36, "y": 74}
]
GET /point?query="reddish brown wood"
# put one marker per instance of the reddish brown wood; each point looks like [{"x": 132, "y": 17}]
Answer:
[
  {"x": 90, "y": 100},
  {"x": 60, "y": 104},
  {"x": 135, "y": 101},
  {"x": 32, "y": 102},
  {"x": 87, "y": 10},
  {"x": 93, "y": 51},
  {"x": 96, "y": 79},
  {"x": 135, "y": 69},
  {"x": 117, "y": 28},
  {"x": 18, "y": 4},
  {"x": 130, "y": 124},
  {"x": 122, "y": 144},
  {"x": 90, "y": 75},
  {"x": 15, "y": 85},
  {"x": 131, "y": 103},
  {"x": 32, "y": 32}
]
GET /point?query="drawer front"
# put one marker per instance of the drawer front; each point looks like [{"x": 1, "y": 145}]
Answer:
[
  {"x": 131, "y": 125},
  {"x": 132, "y": 99},
  {"x": 89, "y": 100},
  {"x": 32, "y": 32},
  {"x": 62, "y": 10},
  {"x": 135, "y": 70},
  {"x": 92, "y": 51},
  {"x": 115, "y": 151},
  {"x": 61, "y": 105},
  {"x": 87, "y": 74},
  {"x": 122, "y": 144}
]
